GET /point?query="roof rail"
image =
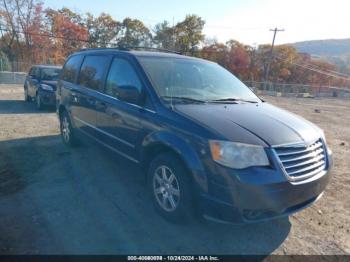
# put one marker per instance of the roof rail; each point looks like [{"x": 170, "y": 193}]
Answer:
[
  {"x": 104, "y": 48},
  {"x": 154, "y": 49},
  {"x": 130, "y": 48}
]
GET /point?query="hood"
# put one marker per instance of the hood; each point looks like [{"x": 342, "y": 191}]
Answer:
[
  {"x": 52, "y": 83},
  {"x": 270, "y": 124}
]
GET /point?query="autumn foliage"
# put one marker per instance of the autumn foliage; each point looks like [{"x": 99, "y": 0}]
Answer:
[{"x": 33, "y": 35}]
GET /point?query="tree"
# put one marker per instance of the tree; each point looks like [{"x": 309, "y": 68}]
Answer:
[
  {"x": 189, "y": 34},
  {"x": 237, "y": 59},
  {"x": 69, "y": 33},
  {"x": 16, "y": 17},
  {"x": 72, "y": 16},
  {"x": 4, "y": 63},
  {"x": 254, "y": 69},
  {"x": 39, "y": 42},
  {"x": 134, "y": 33},
  {"x": 215, "y": 52},
  {"x": 164, "y": 35},
  {"x": 102, "y": 30},
  {"x": 282, "y": 63}
]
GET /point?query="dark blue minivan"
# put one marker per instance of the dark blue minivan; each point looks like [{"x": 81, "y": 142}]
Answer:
[{"x": 207, "y": 143}]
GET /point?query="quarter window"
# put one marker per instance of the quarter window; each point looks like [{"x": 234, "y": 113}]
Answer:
[
  {"x": 121, "y": 74},
  {"x": 70, "y": 70},
  {"x": 92, "y": 70}
]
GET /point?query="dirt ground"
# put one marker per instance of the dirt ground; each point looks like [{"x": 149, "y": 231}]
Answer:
[{"x": 55, "y": 200}]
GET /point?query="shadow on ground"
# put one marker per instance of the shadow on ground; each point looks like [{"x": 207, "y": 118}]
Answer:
[
  {"x": 22, "y": 107},
  {"x": 86, "y": 200}
]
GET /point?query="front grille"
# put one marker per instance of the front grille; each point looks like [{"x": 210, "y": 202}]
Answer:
[{"x": 302, "y": 162}]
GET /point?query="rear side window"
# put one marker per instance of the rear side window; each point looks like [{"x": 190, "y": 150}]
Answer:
[
  {"x": 121, "y": 74},
  {"x": 92, "y": 71},
  {"x": 71, "y": 68}
]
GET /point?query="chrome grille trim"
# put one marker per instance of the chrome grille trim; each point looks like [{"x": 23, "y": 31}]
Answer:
[
  {"x": 320, "y": 157},
  {"x": 310, "y": 148},
  {"x": 300, "y": 162}
]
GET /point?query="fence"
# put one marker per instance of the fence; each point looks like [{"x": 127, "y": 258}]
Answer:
[
  {"x": 12, "y": 78},
  {"x": 297, "y": 90},
  {"x": 13, "y": 72},
  {"x": 14, "y": 66}
]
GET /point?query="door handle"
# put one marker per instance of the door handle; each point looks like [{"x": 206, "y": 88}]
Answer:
[{"x": 91, "y": 100}]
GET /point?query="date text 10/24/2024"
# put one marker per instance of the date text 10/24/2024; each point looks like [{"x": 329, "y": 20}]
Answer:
[{"x": 173, "y": 258}]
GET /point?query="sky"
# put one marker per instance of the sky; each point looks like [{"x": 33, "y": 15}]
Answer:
[{"x": 248, "y": 21}]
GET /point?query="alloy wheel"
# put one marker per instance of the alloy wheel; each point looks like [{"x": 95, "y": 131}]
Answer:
[
  {"x": 65, "y": 129},
  {"x": 26, "y": 94},
  {"x": 38, "y": 101},
  {"x": 166, "y": 188}
]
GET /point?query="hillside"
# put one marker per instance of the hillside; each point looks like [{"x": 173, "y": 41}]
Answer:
[
  {"x": 330, "y": 47},
  {"x": 336, "y": 51}
]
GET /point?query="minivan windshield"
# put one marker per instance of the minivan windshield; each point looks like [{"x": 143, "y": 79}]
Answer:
[
  {"x": 50, "y": 73},
  {"x": 191, "y": 81}
]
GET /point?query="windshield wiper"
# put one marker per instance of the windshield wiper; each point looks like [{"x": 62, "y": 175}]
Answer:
[
  {"x": 232, "y": 100},
  {"x": 184, "y": 99}
]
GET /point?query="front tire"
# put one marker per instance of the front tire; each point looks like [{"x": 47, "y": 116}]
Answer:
[
  {"x": 39, "y": 105},
  {"x": 27, "y": 98},
  {"x": 171, "y": 189},
  {"x": 67, "y": 131}
]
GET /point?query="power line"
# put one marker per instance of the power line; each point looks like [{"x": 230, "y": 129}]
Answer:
[
  {"x": 328, "y": 70},
  {"x": 322, "y": 72},
  {"x": 232, "y": 27},
  {"x": 316, "y": 70},
  {"x": 270, "y": 56},
  {"x": 338, "y": 73}
]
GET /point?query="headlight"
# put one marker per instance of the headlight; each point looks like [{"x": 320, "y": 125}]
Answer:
[
  {"x": 237, "y": 155},
  {"x": 46, "y": 87}
]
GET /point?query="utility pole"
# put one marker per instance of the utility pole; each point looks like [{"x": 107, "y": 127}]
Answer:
[
  {"x": 174, "y": 40},
  {"x": 252, "y": 63},
  {"x": 1, "y": 57},
  {"x": 270, "y": 56}
]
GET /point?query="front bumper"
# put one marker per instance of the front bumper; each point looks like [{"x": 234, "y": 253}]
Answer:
[
  {"x": 258, "y": 194},
  {"x": 47, "y": 97}
]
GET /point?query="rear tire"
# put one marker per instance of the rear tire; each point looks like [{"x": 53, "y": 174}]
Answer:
[
  {"x": 67, "y": 131},
  {"x": 171, "y": 188}
]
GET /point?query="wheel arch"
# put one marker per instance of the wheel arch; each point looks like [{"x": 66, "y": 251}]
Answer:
[
  {"x": 162, "y": 142},
  {"x": 61, "y": 109}
]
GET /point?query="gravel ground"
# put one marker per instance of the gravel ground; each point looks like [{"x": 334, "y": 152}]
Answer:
[{"x": 55, "y": 200}]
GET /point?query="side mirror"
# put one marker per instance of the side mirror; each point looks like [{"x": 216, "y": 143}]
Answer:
[{"x": 129, "y": 94}]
